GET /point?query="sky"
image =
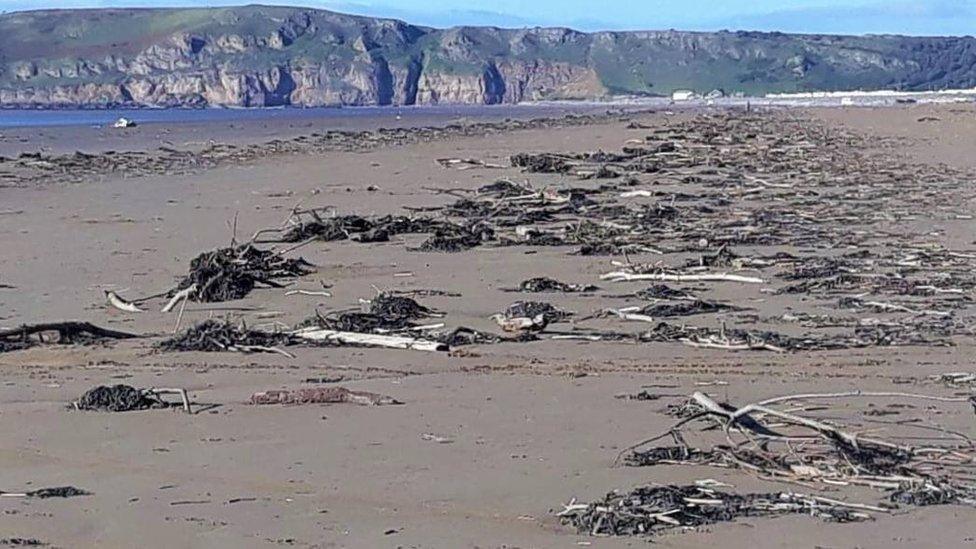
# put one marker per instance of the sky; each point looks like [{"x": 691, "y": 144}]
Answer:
[{"x": 918, "y": 17}]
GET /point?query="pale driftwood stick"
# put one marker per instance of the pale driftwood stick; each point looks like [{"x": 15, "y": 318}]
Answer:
[
  {"x": 181, "y": 392},
  {"x": 745, "y": 346},
  {"x": 902, "y": 309},
  {"x": 144, "y": 299},
  {"x": 321, "y": 293},
  {"x": 182, "y": 294},
  {"x": 260, "y": 349},
  {"x": 115, "y": 301},
  {"x": 734, "y": 416},
  {"x": 179, "y": 317},
  {"x": 374, "y": 340},
  {"x": 632, "y": 194},
  {"x": 852, "y": 394},
  {"x": 297, "y": 246},
  {"x": 65, "y": 329},
  {"x": 581, "y": 337},
  {"x": 466, "y": 163},
  {"x": 622, "y": 276},
  {"x": 839, "y": 503},
  {"x": 628, "y": 314}
]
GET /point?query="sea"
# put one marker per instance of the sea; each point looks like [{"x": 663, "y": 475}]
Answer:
[{"x": 19, "y": 118}]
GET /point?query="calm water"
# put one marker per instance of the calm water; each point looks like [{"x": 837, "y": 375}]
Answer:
[{"x": 97, "y": 118}]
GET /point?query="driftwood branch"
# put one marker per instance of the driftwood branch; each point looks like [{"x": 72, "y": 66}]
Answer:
[{"x": 371, "y": 340}]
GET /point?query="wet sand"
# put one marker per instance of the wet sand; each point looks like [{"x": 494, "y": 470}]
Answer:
[{"x": 532, "y": 425}]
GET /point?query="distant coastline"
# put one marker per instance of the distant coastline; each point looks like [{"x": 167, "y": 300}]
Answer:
[{"x": 273, "y": 56}]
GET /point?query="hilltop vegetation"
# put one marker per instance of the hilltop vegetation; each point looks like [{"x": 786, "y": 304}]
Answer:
[{"x": 263, "y": 56}]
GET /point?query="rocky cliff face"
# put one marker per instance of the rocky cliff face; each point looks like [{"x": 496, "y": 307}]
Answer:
[{"x": 265, "y": 56}]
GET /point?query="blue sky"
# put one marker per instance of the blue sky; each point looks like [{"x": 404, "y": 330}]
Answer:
[{"x": 919, "y": 17}]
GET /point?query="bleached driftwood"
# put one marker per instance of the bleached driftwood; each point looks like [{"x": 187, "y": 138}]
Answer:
[
  {"x": 467, "y": 163},
  {"x": 179, "y": 296},
  {"x": 628, "y": 313},
  {"x": 181, "y": 392},
  {"x": 637, "y": 193},
  {"x": 727, "y": 345},
  {"x": 115, "y": 301},
  {"x": 371, "y": 340},
  {"x": 623, "y": 276}
]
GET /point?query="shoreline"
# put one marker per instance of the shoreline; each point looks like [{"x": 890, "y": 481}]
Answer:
[{"x": 881, "y": 97}]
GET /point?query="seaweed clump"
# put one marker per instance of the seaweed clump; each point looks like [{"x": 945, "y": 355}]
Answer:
[
  {"x": 226, "y": 274},
  {"x": 220, "y": 335},
  {"x": 119, "y": 398}
]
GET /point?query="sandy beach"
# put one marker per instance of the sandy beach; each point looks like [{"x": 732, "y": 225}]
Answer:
[{"x": 491, "y": 439}]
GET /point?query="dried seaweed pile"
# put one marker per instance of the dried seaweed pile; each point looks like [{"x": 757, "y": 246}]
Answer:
[
  {"x": 231, "y": 273},
  {"x": 652, "y": 509},
  {"x": 221, "y": 335},
  {"x": 324, "y": 225},
  {"x": 119, "y": 398},
  {"x": 385, "y": 313},
  {"x": 453, "y": 238},
  {"x": 547, "y": 285},
  {"x": 532, "y": 309}
]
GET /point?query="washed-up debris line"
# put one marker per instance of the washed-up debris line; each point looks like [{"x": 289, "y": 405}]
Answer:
[
  {"x": 62, "y": 333},
  {"x": 322, "y": 395},
  {"x": 773, "y": 441},
  {"x": 649, "y": 510},
  {"x": 700, "y": 203},
  {"x": 737, "y": 339},
  {"x": 79, "y": 167}
]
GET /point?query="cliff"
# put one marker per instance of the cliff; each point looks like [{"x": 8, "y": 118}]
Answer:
[{"x": 270, "y": 56}]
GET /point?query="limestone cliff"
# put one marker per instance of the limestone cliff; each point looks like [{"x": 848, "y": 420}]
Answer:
[{"x": 270, "y": 56}]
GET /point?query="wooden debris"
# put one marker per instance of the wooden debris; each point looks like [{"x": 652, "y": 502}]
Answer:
[
  {"x": 368, "y": 340},
  {"x": 126, "y": 306},
  {"x": 68, "y": 333},
  {"x": 649, "y": 510},
  {"x": 773, "y": 443}
]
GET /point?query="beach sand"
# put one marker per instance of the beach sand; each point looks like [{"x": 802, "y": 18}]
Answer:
[{"x": 528, "y": 427}]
